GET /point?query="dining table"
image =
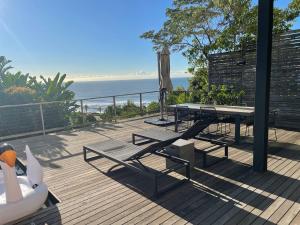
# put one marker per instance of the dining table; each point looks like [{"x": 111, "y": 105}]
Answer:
[{"x": 236, "y": 112}]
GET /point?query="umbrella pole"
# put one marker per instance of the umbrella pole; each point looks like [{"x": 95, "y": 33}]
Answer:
[{"x": 161, "y": 94}]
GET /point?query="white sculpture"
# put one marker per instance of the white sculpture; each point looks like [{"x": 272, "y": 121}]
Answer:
[{"x": 20, "y": 195}]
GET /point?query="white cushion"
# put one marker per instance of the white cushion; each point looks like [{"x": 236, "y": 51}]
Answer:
[{"x": 34, "y": 169}]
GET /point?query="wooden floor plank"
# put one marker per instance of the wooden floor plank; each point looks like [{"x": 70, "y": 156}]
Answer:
[
  {"x": 150, "y": 214},
  {"x": 296, "y": 220},
  {"x": 227, "y": 192},
  {"x": 239, "y": 193}
]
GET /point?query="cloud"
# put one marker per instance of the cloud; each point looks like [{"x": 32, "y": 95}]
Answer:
[{"x": 141, "y": 73}]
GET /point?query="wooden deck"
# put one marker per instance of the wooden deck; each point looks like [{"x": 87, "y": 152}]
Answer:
[{"x": 227, "y": 193}]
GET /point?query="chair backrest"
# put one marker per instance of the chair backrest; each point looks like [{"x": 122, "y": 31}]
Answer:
[
  {"x": 152, "y": 148},
  {"x": 183, "y": 112},
  {"x": 273, "y": 115}
]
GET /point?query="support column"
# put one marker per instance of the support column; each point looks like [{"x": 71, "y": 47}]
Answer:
[{"x": 262, "y": 93}]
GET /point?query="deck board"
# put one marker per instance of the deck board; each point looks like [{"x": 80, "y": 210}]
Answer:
[{"x": 228, "y": 192}]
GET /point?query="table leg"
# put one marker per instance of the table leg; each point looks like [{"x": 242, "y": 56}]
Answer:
[
  {"x": 176, "y": 120},
  {"x": 237, "y": 128}
]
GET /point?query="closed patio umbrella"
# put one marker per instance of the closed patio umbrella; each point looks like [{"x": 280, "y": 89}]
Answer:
[
  {"x": 165, "y": 84},
  {"x": 164, "y": 76}
]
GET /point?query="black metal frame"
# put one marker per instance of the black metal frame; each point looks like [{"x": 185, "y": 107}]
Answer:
[
  {"x": 192, "y": 132},
  {"x": 154, "y": 175},
  {"x": 204, "y": 152}
]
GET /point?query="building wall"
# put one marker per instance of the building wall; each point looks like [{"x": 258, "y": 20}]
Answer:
[{"x": 238, "y": 69}]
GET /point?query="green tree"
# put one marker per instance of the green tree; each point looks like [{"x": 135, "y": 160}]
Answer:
[
  {"x": 19, "y": 88},
  {"x": 56, "y": 89},
  {"x": 4, "y": 67},
  {"x": 198, "y": 28},
  {"x": 178, "y": 96},
  {"x": 16, "y": 80},
  {"x": 198, "y": 86},
  {"x": 15, "y": 88}
]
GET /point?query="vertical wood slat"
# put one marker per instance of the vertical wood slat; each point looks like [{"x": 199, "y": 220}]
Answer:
[{"x": 237, "y": 69}]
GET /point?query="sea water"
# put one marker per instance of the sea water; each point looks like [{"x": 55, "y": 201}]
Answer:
[{"x": 101, "y": 89}]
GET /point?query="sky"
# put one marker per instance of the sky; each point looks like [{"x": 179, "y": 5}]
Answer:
[{"x": 86, "y": 39}]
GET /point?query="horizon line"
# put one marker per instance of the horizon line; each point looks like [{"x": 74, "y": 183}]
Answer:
[{"x": 116, "y": 78}]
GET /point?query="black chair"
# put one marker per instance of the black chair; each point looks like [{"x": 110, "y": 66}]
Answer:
[
  {"x": 273, "y": 116},
  {"x": 183, "y": 116},
  {"x": 208, "y": 113},
  {"x": 249, "y": 121},
  {"x": 225, "y": 119},
  {"x": 228, "y": 119},
  {"x": 170, "y": 114}
]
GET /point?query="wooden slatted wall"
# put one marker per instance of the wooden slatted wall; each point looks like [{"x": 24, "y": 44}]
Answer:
[{"x": 238, "y": 69}]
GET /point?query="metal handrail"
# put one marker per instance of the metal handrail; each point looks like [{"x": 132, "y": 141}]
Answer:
[
  {"x": 39, "y": 126},
  {"x": 40, "y": 108},
  {"x": 75, "y": 100}
]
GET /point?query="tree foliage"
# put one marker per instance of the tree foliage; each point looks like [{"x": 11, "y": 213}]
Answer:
[
  {"x": 4, "y": 67},
  {"x": 56, "y": 89},
  {"x": 198, "y": 28},
  {"x": 127, "y": 110},
  {"x": 47, "y": 89},
  {"x": 19, "y": 88}
]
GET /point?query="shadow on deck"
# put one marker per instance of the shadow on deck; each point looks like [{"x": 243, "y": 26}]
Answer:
[{"x": 228, "y": 192}]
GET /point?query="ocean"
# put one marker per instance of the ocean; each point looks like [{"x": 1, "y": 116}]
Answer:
[{"x": 95, "y": 89}]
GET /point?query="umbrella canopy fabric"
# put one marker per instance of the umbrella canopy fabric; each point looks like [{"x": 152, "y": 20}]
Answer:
[
  {"x": 165, "y": 84},
  {"x": 164, "y": 75}
]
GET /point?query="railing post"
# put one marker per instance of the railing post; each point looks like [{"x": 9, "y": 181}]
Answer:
[
  {"x": 141, "y": 104},
  {"x": 42, "y": 119},
  {"x": 114, "y": 106}
]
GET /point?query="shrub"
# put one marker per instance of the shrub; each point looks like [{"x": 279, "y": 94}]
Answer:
[
  {"x": 17, "y": 95},
  {"x": 153, "y": 107},
  {"x": 90, "y": 118}
]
